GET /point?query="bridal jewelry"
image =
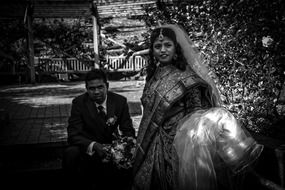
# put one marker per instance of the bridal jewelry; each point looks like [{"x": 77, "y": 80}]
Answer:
[{"x": 160, "y": 37}]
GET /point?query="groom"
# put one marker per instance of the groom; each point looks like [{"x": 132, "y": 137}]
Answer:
[{"x": 95, "y": 116}]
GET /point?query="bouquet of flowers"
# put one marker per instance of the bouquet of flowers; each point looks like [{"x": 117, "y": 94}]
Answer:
[{"x": 121, "y": 152}]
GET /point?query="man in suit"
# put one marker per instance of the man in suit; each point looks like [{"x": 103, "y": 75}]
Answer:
[{"x": 88, "y": 132}]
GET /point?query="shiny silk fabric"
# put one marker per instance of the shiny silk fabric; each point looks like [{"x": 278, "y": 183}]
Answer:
[
  {"x": 207, "y": 140},
  {"x": 167, "y": 97}
]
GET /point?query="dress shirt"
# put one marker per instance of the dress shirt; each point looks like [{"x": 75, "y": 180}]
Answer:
[
  {"x": 90, "y": 150},
  {"x": 104, "y": 105}
]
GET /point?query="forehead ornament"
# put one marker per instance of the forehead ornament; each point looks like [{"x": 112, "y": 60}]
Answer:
[{"x": 160, "y": 37}]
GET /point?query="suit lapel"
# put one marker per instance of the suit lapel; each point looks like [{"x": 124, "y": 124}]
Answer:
[
  {"x": 111, "y": 102},
  {"x": 110, "y": 106},
  {"x": 93, "y": 111},
  {"x": 91, "y": 107}
]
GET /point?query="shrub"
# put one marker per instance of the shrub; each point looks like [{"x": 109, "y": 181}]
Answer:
[{"x": 243, "y": 44}]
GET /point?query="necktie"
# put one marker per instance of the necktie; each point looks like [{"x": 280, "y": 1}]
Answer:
[{"x": 102, "y": 112}]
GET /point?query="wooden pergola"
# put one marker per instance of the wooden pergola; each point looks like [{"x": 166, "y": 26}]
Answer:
[
  {"x": 29, "y": 9},
  {"x": 121, "y": 8}
]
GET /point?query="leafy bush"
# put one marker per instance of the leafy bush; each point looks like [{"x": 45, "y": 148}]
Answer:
[
  {"x": 64, "y": 38},
  {"x": 243, "y": 44},
  {"x": 12, "y": 44}
]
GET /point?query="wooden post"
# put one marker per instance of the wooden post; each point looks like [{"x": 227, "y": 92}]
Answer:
[
  {"x": 30, "y": 46},
  {"x": 134, "y": 63},
  {"x": 95, "y": 41}
]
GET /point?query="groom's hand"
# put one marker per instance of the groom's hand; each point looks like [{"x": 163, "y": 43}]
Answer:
[{"x": 99, "y": 149}]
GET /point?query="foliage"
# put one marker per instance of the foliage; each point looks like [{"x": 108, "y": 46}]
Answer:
[
  {"x": 128, "y": 32},
  {"x": 12, "y": 42},
  {"x": 243, "y": 43},
  {"x": 123, "y": 37},
  {"x": 64, "y": 38},
  {"x": 52, "y": 38}
]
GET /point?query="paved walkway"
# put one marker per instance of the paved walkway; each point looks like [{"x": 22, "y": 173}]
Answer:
[{"x": 38, "y": 114}]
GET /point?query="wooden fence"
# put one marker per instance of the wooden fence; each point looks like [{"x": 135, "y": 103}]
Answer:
[
  {"x": 59, "y": 65},
  {"x": 116, "y": 63},
  {"x": 73, "y": 65}
]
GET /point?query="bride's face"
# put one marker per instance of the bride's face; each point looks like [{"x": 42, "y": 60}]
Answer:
[{"x": 164, "y": 50}]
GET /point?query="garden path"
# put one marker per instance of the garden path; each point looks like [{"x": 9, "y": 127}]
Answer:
[{"x": 38, "y": 114}]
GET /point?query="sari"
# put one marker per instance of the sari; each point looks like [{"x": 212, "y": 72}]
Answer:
[
  {"x": 170, "y": 153},
  {"x": 170, "y": 95}
]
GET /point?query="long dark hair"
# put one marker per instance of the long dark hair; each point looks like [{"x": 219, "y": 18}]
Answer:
[{"x": 180, "y": 61}]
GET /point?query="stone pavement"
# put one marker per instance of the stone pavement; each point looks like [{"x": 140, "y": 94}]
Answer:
[
  {"x": 31, "y": 143},
  {"x": 38, "y": 114}
]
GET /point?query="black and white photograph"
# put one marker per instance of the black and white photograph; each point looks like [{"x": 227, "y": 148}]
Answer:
[{"x": 142, "y": 94}]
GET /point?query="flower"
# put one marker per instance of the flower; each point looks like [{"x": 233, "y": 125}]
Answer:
[
  {"x": 111, "y": 121},
  {"x": 267, "y": 41},
  {"x": 107, "y": 149},
  {"x": 117, "y": 155},
  {"x": 121, "y": 152}
]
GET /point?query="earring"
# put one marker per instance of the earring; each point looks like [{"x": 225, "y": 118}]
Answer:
[
  {"x": 154, "y": 59},
  {"x": 175, "y": 57}
]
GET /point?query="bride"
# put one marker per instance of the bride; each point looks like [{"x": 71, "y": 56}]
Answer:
[{"x": 186, "y": 140}]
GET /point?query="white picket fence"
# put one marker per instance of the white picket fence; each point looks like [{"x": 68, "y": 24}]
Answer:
[
  {"x": 133, "y": 64},
  {"x": 73, "y": 65},
  {"x": 59, "y": 65}
]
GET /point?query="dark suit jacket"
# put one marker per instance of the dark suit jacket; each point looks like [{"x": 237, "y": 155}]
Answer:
[{"x": 85, "y": 126}]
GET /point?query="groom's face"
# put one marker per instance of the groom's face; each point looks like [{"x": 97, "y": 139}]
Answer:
[{"x": 97, "y": 90}]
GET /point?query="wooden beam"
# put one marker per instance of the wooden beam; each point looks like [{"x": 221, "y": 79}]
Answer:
[
  {"x": 127, "y": 8},
  {"x": 125, "y": 5},
  {"x": 117, "y": 2},
  {"x": 57, "y": 9},
  {"x": 121, "y": 15},
  {"x": 112, "y": 40},
  {"x": 30, "y": 45},
  {"x": 96, "y": 41},
  {"x": 46, "y": 8},
  {"x": 124, "y": 25}
]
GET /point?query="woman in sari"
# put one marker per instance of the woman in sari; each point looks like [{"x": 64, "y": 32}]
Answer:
[{"x": 169, "y": 156}]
